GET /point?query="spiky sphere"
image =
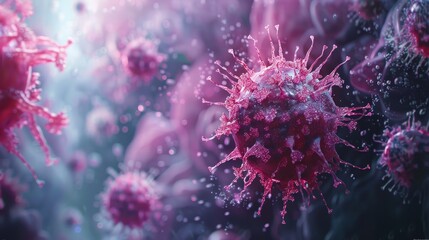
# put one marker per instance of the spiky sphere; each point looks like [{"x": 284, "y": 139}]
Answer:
[
  {"x": 406, "y": 155},
  {"x": 141, "y": 59},
  {"x": 284, "y": 121},
  {"x": 130, "y": 199}
]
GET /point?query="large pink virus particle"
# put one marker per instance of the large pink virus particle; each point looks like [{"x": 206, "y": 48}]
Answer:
[
  {"x": 20, "y": 51},
  {"x": 284, "y": 121},
  {"x": 406, "y": 157},
  {"x": 130, "y": 199},
  {"x": 141, "y": 59}
]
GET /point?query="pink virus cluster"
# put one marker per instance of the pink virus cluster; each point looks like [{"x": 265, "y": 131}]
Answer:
[
  {"x": 20, "y": 51},
  {"x": 284, "y": 121},
  {"x": 130, "y": 199},
  {"x": 405, "y": 157}
]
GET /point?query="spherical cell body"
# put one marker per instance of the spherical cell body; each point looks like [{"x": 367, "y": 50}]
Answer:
[
  {"x": 130, "y": 199},
  {"x": 405, "y": 155},
  {"x": 141, "y": 59},
  {"x": 284, "y": 121}
]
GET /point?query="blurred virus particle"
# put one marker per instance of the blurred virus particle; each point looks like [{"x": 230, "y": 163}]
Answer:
[
  {"x": 72, "y": 218},
  {"x": 21, "y": 224},
  {"x": 101, "y": 123},
  {"x": 141, "y": 59},
  {"x": 80, "y": 7},
  {"x": 130, "y": 199},
  {"x": 10, "y": 194},
  {"x": 406, "y": 157},
  {"x": 283, "y": 121},
  {"x": 20, "y": 51},
  {"x": 367, "y": 9},
  {"x": 78, "y": 162}
]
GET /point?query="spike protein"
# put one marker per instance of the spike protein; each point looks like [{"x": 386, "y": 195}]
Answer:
[
  {"x": 283, "y": 120},
  {"x": 406, "y": 157},
  {"x": 20, "y": 50}
]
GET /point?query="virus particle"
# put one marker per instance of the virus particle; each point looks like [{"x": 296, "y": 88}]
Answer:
[
  {"x": 396, "y": 70},
  {"x": 367, "y": 9},
  {"x": 10, "y": 194},
  {"x": 417, "y": 26},
  {"x": 130, "y": 199},
  {"x": 72, "y": 218},
  {"x": 20, "y": 51},
  {"x": 283, "y": 121},
  {"x": 141, "y": 59},
  {"x": 78, "y": 162},
  {"x": 406, "y": 157},
  {"x": 407, "y": 32},
  {"x": 80, "y": 7},
  {"x": 21, "y": 224},
  {"x": 101, "y": 123}
]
